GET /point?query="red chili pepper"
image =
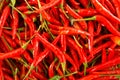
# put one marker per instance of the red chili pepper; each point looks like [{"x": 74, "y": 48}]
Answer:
[
  {"x": 87, "y": 12},
  {"x": 108, "y": 72},
  {"x": 31, "y": 25},
  {"x": 110, "y": 6},
  {"x": 117, "y": 7},
  {"x": 3, "y": 18},
  {"x": 73, "y": 2},
  {"x": 85, "y": 3},
  {"x": 81, "y": 52},
  {"x": 68, "y": 58},
  {"x": 102, "y": 37},
  {"x": 1, "y": 72},
  {"x": 71, "y": 31},
  {"x": 116, "y": 39},
  {"x": 22, "y": 8},
  {"x": 51, "y": 69},
  {"x": 56, "y": 50},
  {"x": 11, "y": 54},
  {"x": 41, "y": 56},
  {"x": 35, "y": 46},
  {"x": 8, "y": 77},
  {"x": 63, "y": 43},
  {"x": 98, "y": 49},
  {"x": 107, "y": 64},
  {"x": 98, "y": 30},
  {"x": 106, "y": 23},
  {"x": 90, "y": 40},
  {"x": 27, "y": 57},
  {"x": 39, "y": 76},
  {"x": 49, "y": 5},
  {"x": 77, "y": 16},
  {"x": 64, "y": 19},
  {"x": 111, "y": 53},
  {"x": 104, "y": 11},
  {"x": 104, "y": 56},
  {"x": 15, "y": 23},
  {"x": 75, "y": 57},
  {"x": 10, "y": 41},
  {"x": 46, "y": 16},
  {"x": 89, "y": 77}
]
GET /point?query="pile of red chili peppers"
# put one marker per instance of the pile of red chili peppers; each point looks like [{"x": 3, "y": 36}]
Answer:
[{"x": 59, "y": 39}]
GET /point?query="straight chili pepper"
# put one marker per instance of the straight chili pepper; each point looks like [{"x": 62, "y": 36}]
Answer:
[
  {"x": 71, "y": 31},
  {"x": 51, "y": 69},
  {"x": 108, "y": 72},
  {"x": 90, "y": 40},
  {"x": 3, "y": 18},
  {"x": 15, "y": 23},
  {"x": 75, "y": 57},
  {"x": 104, "y": 56},
  {"x": 87, "y": 12},
  {"x": 104, "y": 11},
  {"x": 63, "y": 43}
]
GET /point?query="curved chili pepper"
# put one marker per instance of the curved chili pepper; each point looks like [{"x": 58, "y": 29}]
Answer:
[
  {"x": 81, "y": 52},
  {"x": 101, "y": 19},
  {"x": 106, "y": 64},
  {"x": 110, "y": 6},
  {"x": 104, "y": 11},
  {"x": 85, "y": 3},
  {"x": 117, "y": 7},
  {"x": 46, "y": 6},
  {"x": 75, "y": 15},
  {"x": 68, "y": 58},
  {"x": 56, "y": 50},
  {"x": 41, "y": 56},
  {"x": 102, "y": 37},
  {"x": 30, "y": 24},
  {"x": 98, "y": 49},
  {"x": 10, "y": 41},
  {"x": 3, "y": 18},
  {"x": 73, "y": 2},
  {"x": 46, "y": 16}
]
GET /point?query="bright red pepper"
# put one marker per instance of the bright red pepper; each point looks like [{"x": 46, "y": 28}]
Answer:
[{"x": 3, "y": 18}]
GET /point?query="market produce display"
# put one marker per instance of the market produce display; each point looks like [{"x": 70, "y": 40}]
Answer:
[{"x": 59, "y": 39}]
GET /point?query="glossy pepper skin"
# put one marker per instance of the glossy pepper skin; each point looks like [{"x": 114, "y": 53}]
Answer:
[
  {"x": 102, "y": 10},
  {"x": 3, "y": 18}
]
